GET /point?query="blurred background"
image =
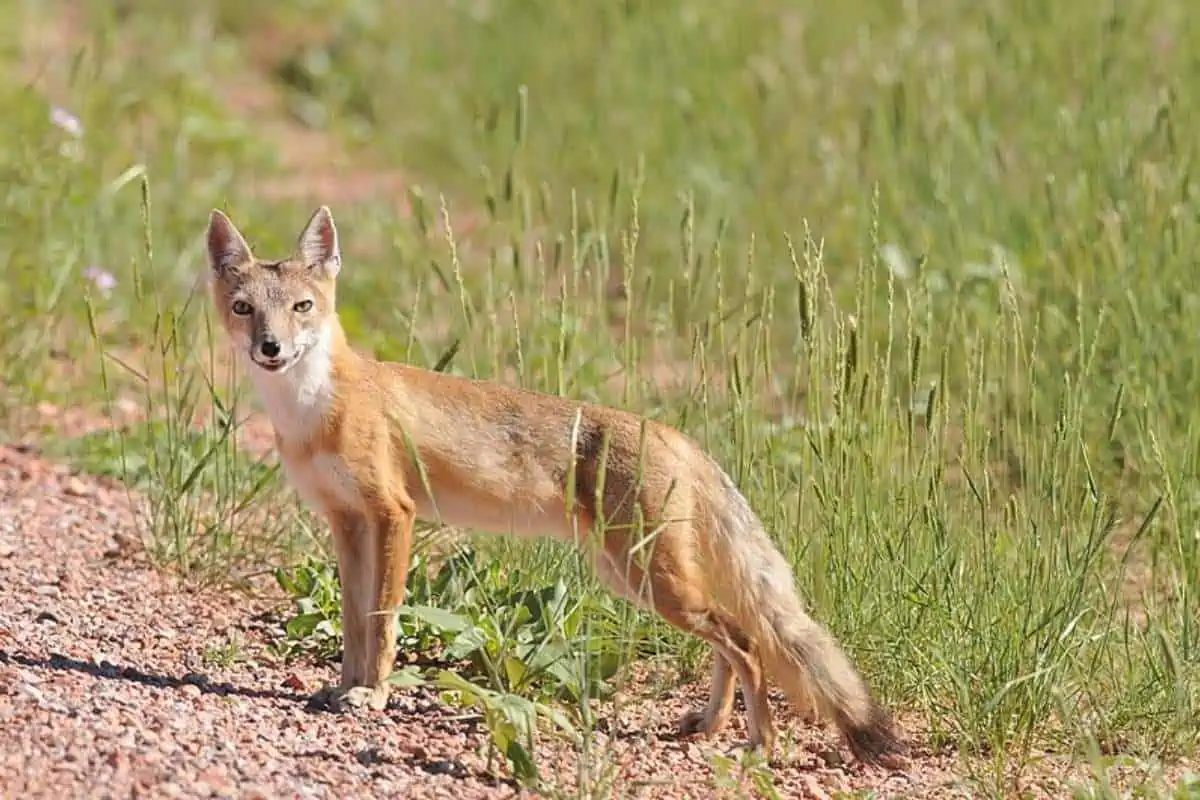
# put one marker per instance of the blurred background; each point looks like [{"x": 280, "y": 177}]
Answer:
[{"x": 920, "y": 273}]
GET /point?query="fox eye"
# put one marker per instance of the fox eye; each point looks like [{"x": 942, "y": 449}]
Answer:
[
  {"x": 242, "y": 308},
  {"x": 302, "y": 306}
]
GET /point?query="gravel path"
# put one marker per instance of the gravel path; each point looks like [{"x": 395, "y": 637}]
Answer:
[
  {"x": 115, "y": 681},
  {"x": 108, "y": 686}
]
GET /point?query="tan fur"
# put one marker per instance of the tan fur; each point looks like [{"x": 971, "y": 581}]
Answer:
[{"x": 374, "y": 445}]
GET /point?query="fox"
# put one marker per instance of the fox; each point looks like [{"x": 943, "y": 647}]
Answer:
[{"x": 372, "y": 446}]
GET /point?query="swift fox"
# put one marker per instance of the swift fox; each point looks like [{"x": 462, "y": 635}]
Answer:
[{"x": 373, "y": 445}]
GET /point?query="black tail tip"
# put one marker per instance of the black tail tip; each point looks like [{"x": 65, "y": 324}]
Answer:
[{"x": 875, "y": 741}]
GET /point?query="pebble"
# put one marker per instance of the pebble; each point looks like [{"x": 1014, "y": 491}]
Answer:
[
  {"x": 812, "y": 788},
  {"x": 75, "y": 487}
]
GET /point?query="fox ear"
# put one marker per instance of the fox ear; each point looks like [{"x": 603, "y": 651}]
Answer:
[
  {"x": 318, "y": 244},
  {"x": 226, "y": 247}
]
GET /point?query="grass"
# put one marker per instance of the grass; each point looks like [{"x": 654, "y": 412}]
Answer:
[{"x": 919, "y": 275}]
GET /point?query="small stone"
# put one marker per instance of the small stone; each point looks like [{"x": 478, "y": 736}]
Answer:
[
  {"x": 75, "y": 487},
  {"x": 190, "y": 690},
  {"x": 369, "y": 756},
  {"x": 831, "y": 757},
  {"x": 33, "y": 693},
  {"x": 443, "y": 767},
  {"x": 121, "y": 546},
  {"x": 215, "y": 780},
  {"x": 293, "y": 682},
  {"x": 813, "y": 788}
]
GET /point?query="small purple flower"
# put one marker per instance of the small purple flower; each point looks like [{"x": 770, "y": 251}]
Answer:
[
  {"x": 66, "y": 121},
  {"x": 101, "y": 278}
]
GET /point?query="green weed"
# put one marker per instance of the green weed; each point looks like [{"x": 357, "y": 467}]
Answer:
[{"x": 540, "y": 641}]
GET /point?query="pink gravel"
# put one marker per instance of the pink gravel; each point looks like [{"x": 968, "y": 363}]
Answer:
[{"x": 106, "y": 691}]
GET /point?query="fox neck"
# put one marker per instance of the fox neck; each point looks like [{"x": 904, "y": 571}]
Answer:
[{"x": 297, "y": 400}]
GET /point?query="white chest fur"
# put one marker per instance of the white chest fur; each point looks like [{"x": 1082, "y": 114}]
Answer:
[
  {"x": 296, "y": 401},
  {"x": 323, "y": 480}
]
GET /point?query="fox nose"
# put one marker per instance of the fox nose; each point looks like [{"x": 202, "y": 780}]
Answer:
[{"x": 269, "y": 347}]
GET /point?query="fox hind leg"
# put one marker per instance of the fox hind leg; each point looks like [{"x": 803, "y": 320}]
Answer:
[
  {"x": 673, "y": 589},
  {"x": 720, "y": 703}
]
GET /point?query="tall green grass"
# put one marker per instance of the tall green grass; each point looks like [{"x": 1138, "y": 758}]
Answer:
[{"x": 918, "y": 276}]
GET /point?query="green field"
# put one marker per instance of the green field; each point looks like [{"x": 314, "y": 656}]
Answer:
[{"x": 919, "y": 275}]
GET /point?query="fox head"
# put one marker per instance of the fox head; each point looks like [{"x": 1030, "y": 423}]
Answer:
[{"x": 275, "y": 311}]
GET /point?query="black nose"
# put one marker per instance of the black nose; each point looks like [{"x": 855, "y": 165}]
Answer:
[{"x": 269, "y": 347}]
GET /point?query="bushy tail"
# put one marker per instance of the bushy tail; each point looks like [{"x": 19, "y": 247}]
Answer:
[{"x": 799, "y": 653}]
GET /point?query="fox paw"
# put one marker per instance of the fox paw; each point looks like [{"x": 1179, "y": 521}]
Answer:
[
  {"x": 350, "y": 699},
  {"x": 762, "y": 742},
  {"x": 698, "y": 722}
]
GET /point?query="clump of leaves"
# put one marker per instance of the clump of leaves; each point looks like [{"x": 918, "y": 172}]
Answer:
[
  {"x": 507, "y": 649},
  {"x": 747, "y": 774},
  {"x": 511, "y": 721},
  {"x": 316, "y": 627},
  {"x": 539, "y": 642}
]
